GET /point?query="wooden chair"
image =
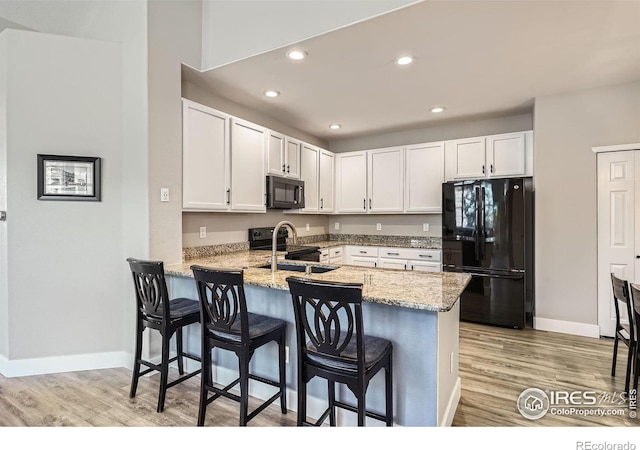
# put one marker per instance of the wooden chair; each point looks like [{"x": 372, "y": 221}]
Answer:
[
  {"x": 635, "y": 297},
  {"x": 228, "y": 325},
  {"x": 331, "y": 344},
  {"x": 624, "y": 332},
  {"x": 155, "y": 310}
]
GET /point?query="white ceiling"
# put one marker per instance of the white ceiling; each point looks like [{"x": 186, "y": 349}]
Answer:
[{"x": 476, "y": 58}]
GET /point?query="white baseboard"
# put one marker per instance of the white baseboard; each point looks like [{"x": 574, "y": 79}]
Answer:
[
  {"x": 562, "y": 326},
  {"x": 452, "y": 405},
  {"x": 56, "y": 364}
]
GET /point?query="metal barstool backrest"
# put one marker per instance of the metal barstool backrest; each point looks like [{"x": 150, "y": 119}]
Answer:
[
  {"x": 328, "y": 317},
  {"x": 222, "y": 300},
  {"x": 152, "y": 298},
  {"x": 621, "y": 294}
]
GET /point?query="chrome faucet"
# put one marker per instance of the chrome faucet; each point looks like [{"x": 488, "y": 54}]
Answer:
[{"x": 274, "y": 245}]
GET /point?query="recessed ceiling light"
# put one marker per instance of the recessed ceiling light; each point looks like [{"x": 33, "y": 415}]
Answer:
[
  {"x": 335, "y": 126},
  {"x": 437, "y": 109},
  {"x": 404, "y": 60},
  {"x": 296, "y": 55},
  {"x": 271, "y": 93}
]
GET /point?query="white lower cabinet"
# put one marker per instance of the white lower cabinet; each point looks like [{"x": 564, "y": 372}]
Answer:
[
  {"x": 387, "y": 263},
  {"x": 332, "y": 255},
  {"x": 364, "y": 261},
  {"x": 421, "y": 266},
  {"x": 399, "y": 258}
]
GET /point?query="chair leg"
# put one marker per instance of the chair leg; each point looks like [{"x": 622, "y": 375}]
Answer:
[
  {"x": 302, "y": 401},
  {"x": 388, "y": 388},
  {"x": 615, "y": 355},
  {"x": 627, "y": 380},
  {"x": 205, "y": 380},
  {"x": 637, "y": 370},
  {"x": 164, "y": 371},
  {"x": 244, "y": 387},
  {"x": 136, "y": 360},
  {"x": 179, "y": 351},
  {"x": 332, "y": 399},
  {"x": 361, "y": 406},
  {"x": 283, "y": 373}
]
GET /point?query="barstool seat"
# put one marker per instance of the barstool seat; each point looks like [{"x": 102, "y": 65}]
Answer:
[{"x": 375, "y": 349}]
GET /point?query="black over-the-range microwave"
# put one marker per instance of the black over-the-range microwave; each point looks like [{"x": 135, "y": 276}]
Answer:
[{"x": 284, "y": 193}]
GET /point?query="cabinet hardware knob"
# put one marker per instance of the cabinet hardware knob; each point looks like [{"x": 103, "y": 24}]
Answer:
[
  {"x": 393, "y": 254},
  {"x": 492, "y": 171},
  {"x": 483, "y": 168},
  {"x": 369, "y": 203},
  {"x": 637, "y": 256},
  {"x": 288, "y": 171},
  {"x": 364, "y": 203},
  {"x": 228, "y": 196},
  {"x": 283, "y": 167},
  {"x": 363, "y": 251}
]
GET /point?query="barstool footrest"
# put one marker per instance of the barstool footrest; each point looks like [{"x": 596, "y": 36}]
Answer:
[
  {"x": 352, "y": 408},
  {"x": 184, "y": 377}
]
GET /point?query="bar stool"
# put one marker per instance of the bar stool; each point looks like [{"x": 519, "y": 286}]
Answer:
[
  {"x": 227, "y": 324},
  {"x": 625, "y": 333},
  {"x": 155, "y": 310},
  {"x": 635, "y": 298},
  {"x": 331, "y": 344}
]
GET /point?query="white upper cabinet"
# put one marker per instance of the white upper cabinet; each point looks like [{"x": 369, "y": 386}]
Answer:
[
  {"x": 351, "y": 182},
  {"x": 385, "y": 177},
  {"x": 205, "y": 157},
  {"x": 424, "y": 175},
  {"x": 496, "y": 156},
  {"x": 309, "y": 173},
  {"x": 283, "y": 155},
  {"x": 326, "y": 181},
  {"x": 248, "y": 143}
]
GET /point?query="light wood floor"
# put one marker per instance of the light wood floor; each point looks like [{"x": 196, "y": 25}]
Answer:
[{"x": 496, "y": 365}]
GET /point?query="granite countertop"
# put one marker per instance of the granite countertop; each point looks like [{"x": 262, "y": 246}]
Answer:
[{"x": 430, "y": 291}]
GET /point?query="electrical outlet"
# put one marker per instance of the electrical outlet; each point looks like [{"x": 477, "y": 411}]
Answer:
[
  {"x": 286, "y": 354},
  {"x": 164, "y": 194},
  {"x": 307, "y": 228},
  {"x": 203, "y": 232},
  {"x": 378, "y": 226},
  {"x": 425, "y": 227},
  {"x": 337, "y": 226}
]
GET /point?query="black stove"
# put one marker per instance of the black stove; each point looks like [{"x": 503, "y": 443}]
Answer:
[{"x": 262, "y": 239}]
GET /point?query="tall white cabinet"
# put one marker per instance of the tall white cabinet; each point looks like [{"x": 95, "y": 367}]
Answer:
[{"x": 247, "y": 166}]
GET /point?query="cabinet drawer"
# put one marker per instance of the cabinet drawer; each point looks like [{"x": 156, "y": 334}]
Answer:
[
  {"x": 336, "y": 259},
  {"x": 336, "y": 251},
  {"x": 324, "y": 253},
  {"x": 410, "y": 253},
  {"x": 357, "y": 250}
]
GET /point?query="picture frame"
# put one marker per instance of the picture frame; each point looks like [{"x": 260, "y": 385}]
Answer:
[{"x": 75, "y": 178}]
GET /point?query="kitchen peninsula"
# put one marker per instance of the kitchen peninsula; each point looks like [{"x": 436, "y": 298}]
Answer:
[{"x": 417, "y": 311}]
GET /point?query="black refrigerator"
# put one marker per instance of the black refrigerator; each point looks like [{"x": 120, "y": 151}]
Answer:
[{"x": 487, "y": 231}]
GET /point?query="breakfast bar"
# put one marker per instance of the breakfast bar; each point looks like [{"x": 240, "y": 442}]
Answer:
[{"x": 417, "y": 311}]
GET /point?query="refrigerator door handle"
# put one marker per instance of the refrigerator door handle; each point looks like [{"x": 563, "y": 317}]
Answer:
[
  {"x": 482, "y": 225},
  {"x": 477, "y": 224}
]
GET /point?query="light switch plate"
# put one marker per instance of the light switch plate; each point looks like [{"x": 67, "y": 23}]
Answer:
[
  {"x": 164, "y": 194},
  {"x": 425, "y": 227}
]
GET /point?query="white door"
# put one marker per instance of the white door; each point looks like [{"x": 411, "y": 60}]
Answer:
[
  {"x": 386, "y": 180},
  {"x": 247, "y": 166},
  {"x": 326, "y": 181},
  {"x": 275, "y": 154},
  {"x": 506, "y": 155},
  {"x": 205, "y": 157},
  {"x": 293, "y": 158},
  {"x": 309, "y": 160},
  {"x": 617, "y": 210},
  {"x": 424, "y": 172},
  {"x": 352, "y": 182},
  {"x": 467, "y": 157}
]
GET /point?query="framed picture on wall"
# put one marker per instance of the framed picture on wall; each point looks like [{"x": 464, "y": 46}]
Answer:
[{"x": 68, "y": 178}]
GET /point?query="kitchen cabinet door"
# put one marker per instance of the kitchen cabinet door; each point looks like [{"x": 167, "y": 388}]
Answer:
[
  {"x": 351, "y": 183},
  {"x": 326, "y": 181},
  {"x": 466, "y": 158},
  {"x": 506, "y": 155},
  {"x": 247, "y": 166},
  {"x": 390, "y": 263},
  {"x": 205, "y": 157},
  {"x": 424, "y": 172},
  {"x": 364, "y": 261},
  {"x": 309, "y": 170},
  {"x": 292, "y": 158},
  {"x": 385, "y": 178},
  {"x": 276, "y": 164},
  {"x": 422, "y": 266}
]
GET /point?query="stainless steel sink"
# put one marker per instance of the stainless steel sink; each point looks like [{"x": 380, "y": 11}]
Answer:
[{"x": 300, "y": 267}]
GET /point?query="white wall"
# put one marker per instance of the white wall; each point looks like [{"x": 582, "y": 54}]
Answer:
[
  {"x": 234, "y": 30},
  {"x": 4, "y": 299},
  {"x": 174, "y": 38},
  {"x": 436, "y": 132},
  {"x": 64, "y": 96},
  {"x": 566, "y": 127}
]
